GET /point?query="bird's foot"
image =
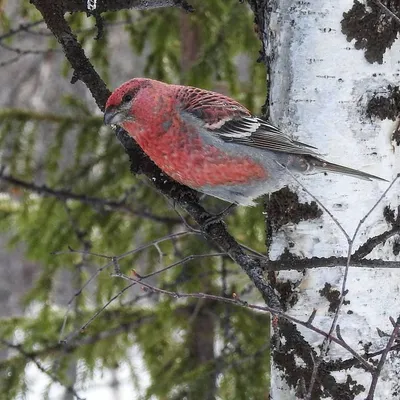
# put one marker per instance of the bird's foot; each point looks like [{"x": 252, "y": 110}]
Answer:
[{"x": 214, "y": 219}]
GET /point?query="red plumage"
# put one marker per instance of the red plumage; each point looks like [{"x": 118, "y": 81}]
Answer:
[{"x": 211, "y": 142}]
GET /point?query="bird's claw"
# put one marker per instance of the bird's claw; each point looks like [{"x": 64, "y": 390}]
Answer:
[{"x": 217, "y": 218}]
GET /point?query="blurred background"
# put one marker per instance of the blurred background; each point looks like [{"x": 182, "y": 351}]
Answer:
[{"x": 68, "y": 204}]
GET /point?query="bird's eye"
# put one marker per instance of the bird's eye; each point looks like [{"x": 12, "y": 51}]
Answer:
[{"x": 127, "y": 98}]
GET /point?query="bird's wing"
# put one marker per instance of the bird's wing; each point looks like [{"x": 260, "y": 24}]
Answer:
[
  {"x": 210, "y": 107},
  {"x": 232, "y": 122},
  {"x": 256, "y": 132}
]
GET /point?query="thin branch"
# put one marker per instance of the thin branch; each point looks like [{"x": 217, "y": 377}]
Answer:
[
  {"x": 32, "y": 358},
  {"x": 117, "y": 272},
  {"x": 95, "y": 315},
  {"x": 92, "y": 201},
  {"x": 113, "y": 260},
  {"x": 325, "y": 345},
  {"x": 289, "y": 261},
  {"x": 236, "y": 301},
  {"x": 314, "y": 374},
  {"x": 350, "y": 241},
  {"x": 9, "y": 61},
  {"x": 395, "y": 347},
  {"x": 117, "y": 5},
  {"x": 49, "y": 117},
  {"x": 53, "y": 15},
  {"x": 23, "y": 52},
  {"x": 92, "y": 29},
  {"x": 361, "y": 359},
  {"x": 375, "y": 376},
  {"x": 85, "y": 340},
  {"x": 182, "y": 262},
  {"x": 333, "y": 218},
  {"x": 20, "y": 28},
  {"x": 372, "y": 242},
  {"x": 349, "y": 254},
  {"x": 375, "y": 205}
]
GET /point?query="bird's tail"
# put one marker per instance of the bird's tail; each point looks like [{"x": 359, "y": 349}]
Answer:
[{"x": 325, "y": 166}]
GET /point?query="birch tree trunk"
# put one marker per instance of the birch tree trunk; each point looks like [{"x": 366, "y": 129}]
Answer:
[{"x": 341, "y": 96}]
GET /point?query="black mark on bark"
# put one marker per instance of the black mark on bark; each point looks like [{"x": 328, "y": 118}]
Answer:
[{"x": 372, "y": 30}]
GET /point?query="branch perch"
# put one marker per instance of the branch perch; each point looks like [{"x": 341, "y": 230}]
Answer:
[{"x": 53, "y": 15}]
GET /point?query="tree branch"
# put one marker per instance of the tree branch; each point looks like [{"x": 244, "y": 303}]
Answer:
[
  {"x": 53, "y": 14},
  {"x": 116, "y": 5},
  {"x": 140, "y": 163},
  {"x": 20, "y": 28},
  {"x": 289, "y": 261},
  {"x": 375, "y": 376},
  {"x": 59, "y": 347},
  {"x": 117, "y": 205},
  {"x": 49, "y": 373},
  {"x": 372, "y": 242}
]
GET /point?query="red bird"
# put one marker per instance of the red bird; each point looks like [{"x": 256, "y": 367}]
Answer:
[{"x": 210, "y": 142}]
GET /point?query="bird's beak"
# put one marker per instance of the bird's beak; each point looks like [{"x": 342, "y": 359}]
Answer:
[{"x": 112, "y": 116}]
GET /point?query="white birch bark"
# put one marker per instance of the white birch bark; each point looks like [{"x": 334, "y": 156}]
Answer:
[{"x": 320, "y": 86}]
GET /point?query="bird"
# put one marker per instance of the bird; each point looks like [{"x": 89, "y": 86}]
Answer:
[{"x": 212, "y": 143}]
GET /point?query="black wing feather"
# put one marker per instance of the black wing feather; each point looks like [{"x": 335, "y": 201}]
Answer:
[{"x": 256, "y": 132}]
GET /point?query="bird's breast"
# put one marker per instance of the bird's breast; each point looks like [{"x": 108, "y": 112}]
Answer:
[{"x": 179, "y": 150}]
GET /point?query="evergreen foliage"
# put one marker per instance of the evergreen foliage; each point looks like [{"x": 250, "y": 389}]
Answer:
[{"x": 66, "y": 186}]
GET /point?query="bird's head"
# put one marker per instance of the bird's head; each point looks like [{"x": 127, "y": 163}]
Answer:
[{"x": 120, "y": 105}]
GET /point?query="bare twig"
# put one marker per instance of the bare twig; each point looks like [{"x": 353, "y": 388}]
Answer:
[
  {"x": 312, "y": 316},
  {"x": 291, "y": 262},
  {"x": 41, "y": 368},
  {"x": 57, "y": 347},
  {"x": 95, "y": 202},
  {"x": 183, "y": 261},
  {"x": 118, "y": 273},
  {"x": 349, "y": 254},
  {"x": 114, "y": 5},
  {"x": 372, "y": 242},
  {"x": 327, "y": 340},
  {"x": 316, "y": 364},
  {"x": 395, "y": 347},
  {"x": 9, "y": 61},
  {"x": 20, "y": 28},
  {"x": 23, "y": 52},
  {"x": 95, "y": 315},
  {"x": 376, "y": 374},
  {"x": 350, "y": 241},
  {"x": 333, "y": 218},
  {"x": 361, "y": 359},
  {"x": 237, "y": 301},
  {"x": 113, "y": 260}
]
